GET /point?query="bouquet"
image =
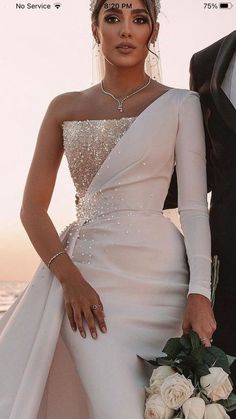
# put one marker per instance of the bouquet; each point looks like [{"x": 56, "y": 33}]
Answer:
[{"x": 192, "y": 381}]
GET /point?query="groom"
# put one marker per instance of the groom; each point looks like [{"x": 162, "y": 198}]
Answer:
[{"x": 213, "y": 76}]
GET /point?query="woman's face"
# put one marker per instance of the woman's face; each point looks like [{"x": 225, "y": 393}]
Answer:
[{"x": 130, "y": 22}]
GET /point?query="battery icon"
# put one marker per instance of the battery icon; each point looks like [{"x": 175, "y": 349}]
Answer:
[{"x": 227, "y": 5}]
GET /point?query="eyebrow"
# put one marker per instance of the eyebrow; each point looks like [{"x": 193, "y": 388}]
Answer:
[{"x": 134, "y": 11}]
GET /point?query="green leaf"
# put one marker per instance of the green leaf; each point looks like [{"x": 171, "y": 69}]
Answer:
[
  {"x": 202, "y": 370},
  {"x": 195, "y": 341},
  {"x": 186, "y": 342},
  {"x": 172, "y": 347},
  {"x": 149, "y": 361},
  {"x": 165, "y": 361},
  {"x": 198, "y": 355},
  {"x": 230, "y": 403},
  {"x": 231, "y": 381},
  {"x": 186, "y": 369},
  {"x": 221, "y": 359},
  {"x": 182, "y": 355},
  {"x": 178, "y": 369},
  {"x": 231, "y": 359},
  {"x": 208, "y": 357}
]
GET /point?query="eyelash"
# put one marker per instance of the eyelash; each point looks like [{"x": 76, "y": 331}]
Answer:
[{"x": 145, "y": 20}]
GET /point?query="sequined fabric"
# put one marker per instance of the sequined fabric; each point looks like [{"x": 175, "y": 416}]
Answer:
[{"x": 87, "y": 144}]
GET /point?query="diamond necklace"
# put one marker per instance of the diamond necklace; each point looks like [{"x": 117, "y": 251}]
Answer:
[{"x": 120, "y": 102}]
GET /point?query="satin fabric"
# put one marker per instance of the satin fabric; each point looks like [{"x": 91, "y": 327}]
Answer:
[{"x": 139, "y": 268}]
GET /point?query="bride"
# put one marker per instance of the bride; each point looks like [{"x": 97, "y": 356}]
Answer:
[{"x": 121, "y": 279}]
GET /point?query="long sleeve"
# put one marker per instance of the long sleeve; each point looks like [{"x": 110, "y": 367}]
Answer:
[{"x": 190, "y": 155}]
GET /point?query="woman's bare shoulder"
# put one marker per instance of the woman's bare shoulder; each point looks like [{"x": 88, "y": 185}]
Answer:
[{"x": 73, "y": 105}]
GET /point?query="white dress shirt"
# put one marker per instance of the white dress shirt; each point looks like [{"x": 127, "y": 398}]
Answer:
[{"x": 229, "y": 82}]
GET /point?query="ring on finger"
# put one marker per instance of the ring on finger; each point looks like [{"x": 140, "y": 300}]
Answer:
[
  {"x": 95, "y": 306},
  {"x": 203, "y": 339}
]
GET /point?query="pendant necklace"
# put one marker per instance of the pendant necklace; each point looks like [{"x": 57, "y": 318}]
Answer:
[{"x": 120, "y": 102}]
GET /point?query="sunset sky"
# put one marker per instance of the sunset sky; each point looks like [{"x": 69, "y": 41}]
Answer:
[{"x": 48, "y": 52}]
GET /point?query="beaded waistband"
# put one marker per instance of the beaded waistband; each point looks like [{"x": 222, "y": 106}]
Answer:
[{"x": 118, "y": 213}]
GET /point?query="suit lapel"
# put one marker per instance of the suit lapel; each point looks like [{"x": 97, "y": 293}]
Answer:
[{"x": 222, "y": 102}]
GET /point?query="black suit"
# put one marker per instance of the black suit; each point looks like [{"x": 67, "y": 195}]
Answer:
[{"x": 207, "y": 71}]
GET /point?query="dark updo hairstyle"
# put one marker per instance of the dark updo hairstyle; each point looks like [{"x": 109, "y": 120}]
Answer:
[{"x": 150, "y": 5}]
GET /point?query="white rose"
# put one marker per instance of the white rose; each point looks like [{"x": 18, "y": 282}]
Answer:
[
  {"x": 175, "y": 390},
  {"x": 158, "y": 376},
  {"x": 216, "y": 385},
  {"x": 156, "y": 409},
  {"x": 215, "y": 411},
  {"x": 194, "y": 408}
]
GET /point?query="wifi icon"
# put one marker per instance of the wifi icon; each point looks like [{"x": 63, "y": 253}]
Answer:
[{"x": 57, "y": 5}]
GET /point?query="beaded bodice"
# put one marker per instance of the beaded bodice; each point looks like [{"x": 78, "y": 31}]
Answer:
[{"x": 86, "y": 145}]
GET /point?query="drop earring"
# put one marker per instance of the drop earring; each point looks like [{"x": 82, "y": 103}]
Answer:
[{"x": 97, "y": 51}]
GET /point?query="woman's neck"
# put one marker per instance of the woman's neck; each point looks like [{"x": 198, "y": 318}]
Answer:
[{"x": 122, "y": 83}]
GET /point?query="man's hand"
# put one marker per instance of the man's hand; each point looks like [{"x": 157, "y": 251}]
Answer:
[{"x": 199, "y": 317}]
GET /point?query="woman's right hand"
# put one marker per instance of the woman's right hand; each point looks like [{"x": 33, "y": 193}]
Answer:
[{"x": 79, "y": 296}]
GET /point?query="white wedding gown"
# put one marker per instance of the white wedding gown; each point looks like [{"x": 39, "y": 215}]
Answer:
[{"x": 129, "y": 252}]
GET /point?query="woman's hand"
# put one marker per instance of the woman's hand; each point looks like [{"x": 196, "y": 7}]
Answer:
[
  {"x": 199, "y": 317},
  {"x": 79, "y": 296}
]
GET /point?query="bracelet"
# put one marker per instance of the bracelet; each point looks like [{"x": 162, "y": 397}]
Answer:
[{"x": 52, "y": 258}]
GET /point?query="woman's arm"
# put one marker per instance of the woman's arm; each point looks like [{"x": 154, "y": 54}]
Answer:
[
  {"x": 190, "y": 155},
  {"x": 79, "y": 296},
  {"x": 39, "y": 188}
]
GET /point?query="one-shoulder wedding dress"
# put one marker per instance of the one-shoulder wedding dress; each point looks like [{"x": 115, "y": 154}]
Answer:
[{"x": 140, "y": 264}]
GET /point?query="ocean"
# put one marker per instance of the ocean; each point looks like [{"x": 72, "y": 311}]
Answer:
[{"x": 9, "y": 291}]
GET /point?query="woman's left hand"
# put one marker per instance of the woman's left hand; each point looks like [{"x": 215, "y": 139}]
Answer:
[{"x": 199, "y": 317}]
